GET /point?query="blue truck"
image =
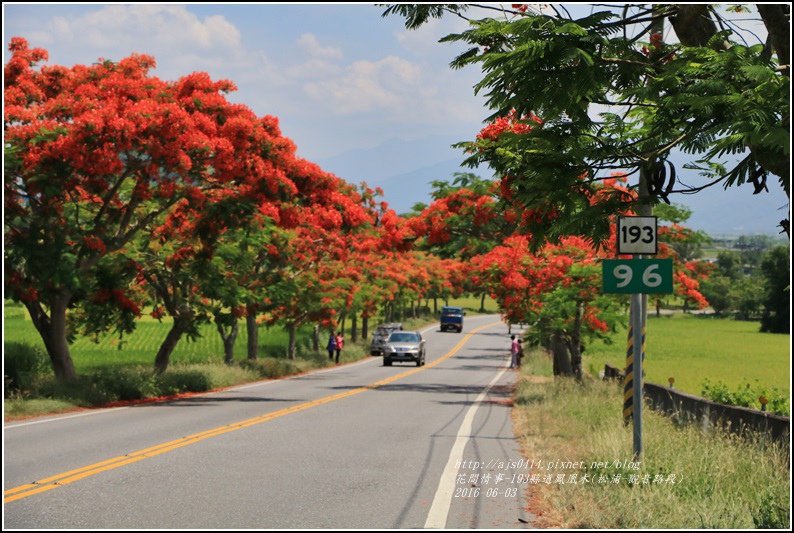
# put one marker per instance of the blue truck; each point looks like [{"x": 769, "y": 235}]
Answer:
[{"x": 452, "y": 318}]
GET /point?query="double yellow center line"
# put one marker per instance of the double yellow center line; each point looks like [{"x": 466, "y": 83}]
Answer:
[{"x": 59, "y": 480}]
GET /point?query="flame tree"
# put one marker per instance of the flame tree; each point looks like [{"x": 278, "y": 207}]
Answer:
[{"x": 94, "y": 156}]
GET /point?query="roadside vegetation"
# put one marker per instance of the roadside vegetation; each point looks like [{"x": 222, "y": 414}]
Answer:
[
  {"x": 719, "y": 482},
  {"x": 113, "y": 371}
]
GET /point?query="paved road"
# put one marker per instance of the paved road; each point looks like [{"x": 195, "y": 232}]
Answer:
[{"x": 360, "y": 446}]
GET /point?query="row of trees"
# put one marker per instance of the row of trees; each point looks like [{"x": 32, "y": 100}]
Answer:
[
  {"x": 763, "y": 291},
  {"x": 125, "y": 193},
  {"x": 556, "y": 288},
  {"x": 577, "y": 98}
]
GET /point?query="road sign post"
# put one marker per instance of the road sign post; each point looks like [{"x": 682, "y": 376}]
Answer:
[
  {"x": 637, "y": 277},
  {"x": 639, "y": 371}
]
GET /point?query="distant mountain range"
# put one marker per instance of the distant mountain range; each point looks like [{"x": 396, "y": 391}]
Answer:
[{"x": 404, "y": 170}]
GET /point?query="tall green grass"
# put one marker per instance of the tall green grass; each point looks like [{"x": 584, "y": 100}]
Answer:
[
  {"x": 140, "y": 347},
  {"x": 720, "y": 482},
  {"x": 693, "y": 348}
]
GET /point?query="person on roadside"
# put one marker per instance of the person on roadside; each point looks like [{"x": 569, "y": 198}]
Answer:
[
  {"x": 331, "y": 346},
  {"x": 340, "y": 343},
  {"x": 515, "y": 349},
  {"x": 520, "y": 352}
]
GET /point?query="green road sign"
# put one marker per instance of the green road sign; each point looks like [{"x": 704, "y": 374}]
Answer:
[{"x": 638, "y": 276}]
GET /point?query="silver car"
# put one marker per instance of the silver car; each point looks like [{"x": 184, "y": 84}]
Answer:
[
  {"x": 382, "y": 333},
  {"x": 404, "y": 346}
]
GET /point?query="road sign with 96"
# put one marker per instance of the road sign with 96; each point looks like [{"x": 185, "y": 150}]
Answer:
[{"x": 638, "y": 276}]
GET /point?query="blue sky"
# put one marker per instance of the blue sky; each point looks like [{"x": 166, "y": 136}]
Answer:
[{"x": 339, "y": 77}]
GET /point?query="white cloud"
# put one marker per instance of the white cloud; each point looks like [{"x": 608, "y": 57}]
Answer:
[
  {"x": 118, "y": 30},
  {"x": 312, "y": 70},
  {"x": 365, "y": 87},
  {"x": 309, "y": 43},
  {"x": 389, "y": 86}
]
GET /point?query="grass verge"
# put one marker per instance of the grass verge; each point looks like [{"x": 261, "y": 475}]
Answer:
[{"x": 685, "y": 479}]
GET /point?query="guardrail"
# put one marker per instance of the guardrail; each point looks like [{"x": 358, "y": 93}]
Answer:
[{"x": 689, "y": 409}]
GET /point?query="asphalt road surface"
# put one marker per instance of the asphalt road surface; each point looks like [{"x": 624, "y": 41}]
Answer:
[{"x": 360, "y": 446}]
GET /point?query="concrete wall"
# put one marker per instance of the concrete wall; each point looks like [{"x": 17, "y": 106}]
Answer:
[{"x": 689, "y": 409}]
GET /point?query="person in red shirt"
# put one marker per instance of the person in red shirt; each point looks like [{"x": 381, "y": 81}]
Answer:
[
  {"x": 515, "y": 349},
  {"x": 340, "y": 343}
]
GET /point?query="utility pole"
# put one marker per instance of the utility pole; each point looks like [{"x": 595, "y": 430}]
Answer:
[{"x": 639, "y": 307}]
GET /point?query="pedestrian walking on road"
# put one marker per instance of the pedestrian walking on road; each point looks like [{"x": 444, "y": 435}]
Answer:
[
  {"x": 331, "y": 346},
  {"x": 340, "y": 343},
  {"x": 515, "y": 349}
]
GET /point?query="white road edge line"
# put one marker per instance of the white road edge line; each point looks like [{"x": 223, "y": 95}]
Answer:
[
  {"x": 12, "y": 425},
  {"x": 442, "y": 501}
]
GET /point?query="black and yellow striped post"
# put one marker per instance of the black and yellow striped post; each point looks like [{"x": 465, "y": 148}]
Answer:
[
  {"x": 628, "y": 382},
  {"x": 634, "y": 384},
  {"x": 628, "y": 385}
]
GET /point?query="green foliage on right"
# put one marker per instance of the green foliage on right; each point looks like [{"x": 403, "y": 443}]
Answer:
[
  {"x": 745, "y": 396},
  {"x": 706, "y": 93},
  {"x": 776, "y": 267}
]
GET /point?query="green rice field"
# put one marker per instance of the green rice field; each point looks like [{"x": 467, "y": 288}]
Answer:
[{"x": 693, "y": 348}]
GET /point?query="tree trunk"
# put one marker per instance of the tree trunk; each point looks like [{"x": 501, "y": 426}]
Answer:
[
  {"x": 253, "y": 336},
  {"x": 561, "y": 357},
  {"x": 777, "y": 19},
  {"x": 693, "y": 24},
  {"x": 365, "y": 327},
  {"x": 435, "y": 306},
  {"x": 229, "y": 337},
  {"x": 53, "y": 332},
  {"x": 316, "y": 339},
  {"x": 181, "y": 325},
  {"x": 291, "y": 348},
  {"x": 575, "y": 345},
  {"x": 353, "y": 328}
]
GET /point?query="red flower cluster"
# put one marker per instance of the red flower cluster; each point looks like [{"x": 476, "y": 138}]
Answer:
[
  {"x": 95, "y": 244},
  {"x": 119, "y": 297},
  {"x": 510, "y": 124},
  {"x": 689, "y": 288}
]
